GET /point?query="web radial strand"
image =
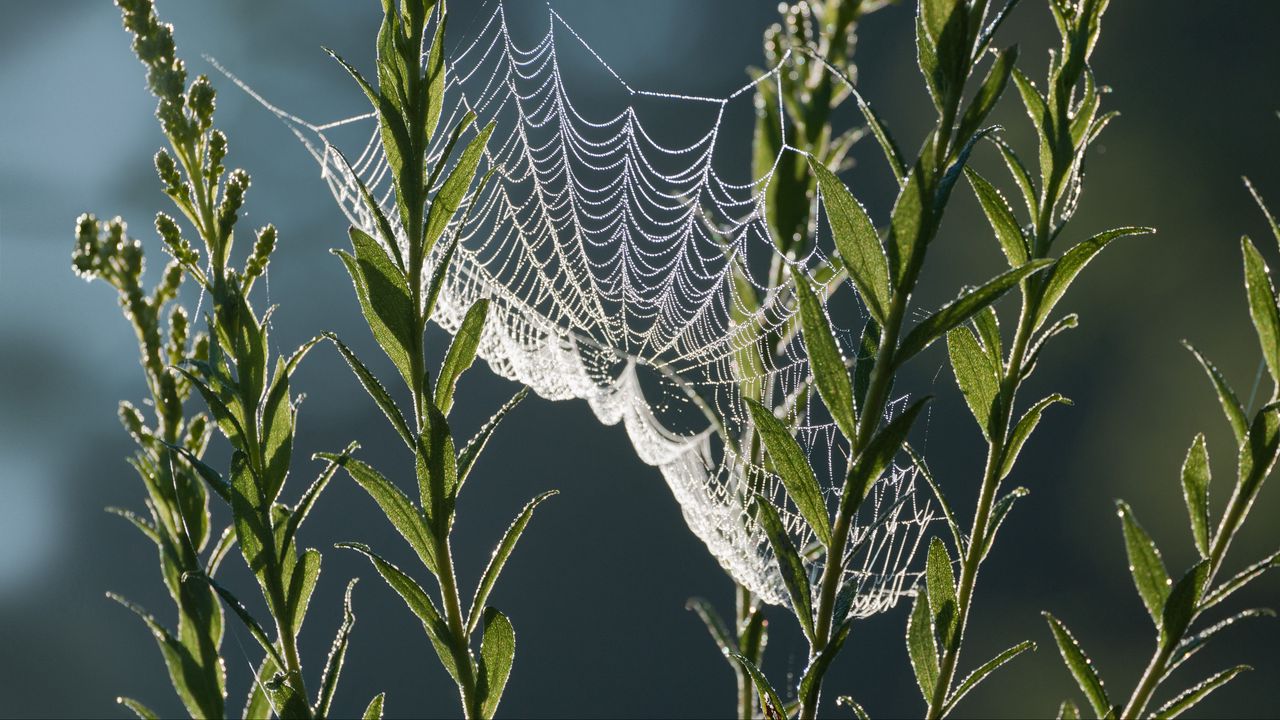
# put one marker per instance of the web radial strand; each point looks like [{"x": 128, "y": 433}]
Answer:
[{"x": 613, "y": 258}]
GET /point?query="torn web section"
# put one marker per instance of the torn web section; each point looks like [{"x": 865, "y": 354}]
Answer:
[{"x": 624, "y": 269}]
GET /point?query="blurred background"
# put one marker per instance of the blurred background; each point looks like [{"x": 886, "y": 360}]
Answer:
[{"x": 598, "y": 586}]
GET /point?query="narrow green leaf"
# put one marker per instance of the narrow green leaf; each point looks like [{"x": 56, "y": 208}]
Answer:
[
  {"x": 1023, "y": 430},
  {"x": 1008, "y": 231},
  {"x": 1190, "y": 697},
  {"x": 301, "y": 587},
  {"x": 145, "y": 527},
  {"x": 1072, "y": 262},
  {"x": 142, "y": 711},
  {"x": 406, "y": 518},
  {"x": 253, "y": 531},
  {"x": 921, "y": 646},
  {"x": 375, "y": 389},
  {"x": 790, "y": 567},
  {"x": 1195, "y": 491},
  {"x": 865, "y": 363},
  {"x": 308, "y": 500},
  {"x": 277, "y": 427},
  {"x": 418, "y": 601},
  {"x": 988, "y": 325},
  {"x": 499, "y": 558},
  {"x": 976, "y": 677},
  {"x": 1257, "y": 457},
  {"x": 258, "y": 705},
  {"x": 211, "y": 477},
  {"x": 462, "y": 352},
  {"x": 769, "y": 702},
  {"x": 978, "y": 379},
  {"x": 857, "y": 242},
  {"x": 437, "y": 471},
  {"x": 183, "y": 669},
  {"x": 817, "y": 668},
  {"x": 433, "y": 88},
  {"x": 1020, "y": 175},
  {"x": 1230, "y": 405},
  {"x": 1068, "y": 711},
  {"x": 384, "y": 298},
  {"x": 471, "y": 451},
  {"x": 715, "y": 625},
  {"x": 998, "y": 514},
  {"x": 988, "y": 95},
  {"x": 1182, "y": 604},
  {"x": 792, "y": 465},
  {"x": 385, "y": 231},
  {"x": 1080, "y": 666},
  {"x": 337, "y": 654},
  {"x": 825, "y": 359},
  {"x": 940, "y": 582},
  {"x": 854, "y": 707},
  {"x": 1240, "y": 579},
  {"x": 1262, "y": 306},
  {"x": 449, "y": 198},
  {"x": 1193, "y": 644},
  {"x": 374, "y": 710},
  {"x": 497, "y": 650},
  {"x": 960, "y": 310},
  {"x": 1145, "y": 563},
  {"x": 956, "y": 534},
  {"x": 879, "y": 452}
]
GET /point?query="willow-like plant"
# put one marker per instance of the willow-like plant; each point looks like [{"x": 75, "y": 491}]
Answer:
[
  {"x": 953, "y": 37},
  {"x": 1176, "y": 607},
  {"x": 398, "y": 277},
  {"x": 250, "y": 404},
  {"x": 827, "y": 28}
]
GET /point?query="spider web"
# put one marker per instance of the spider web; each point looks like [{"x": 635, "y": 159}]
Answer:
[{"x": 618, "y": 264}]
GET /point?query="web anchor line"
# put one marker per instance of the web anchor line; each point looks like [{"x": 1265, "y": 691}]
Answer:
[{"x": 612, "y": 260}]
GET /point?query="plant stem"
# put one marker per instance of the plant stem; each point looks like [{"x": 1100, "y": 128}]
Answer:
[{"x": 746, "y": 688}]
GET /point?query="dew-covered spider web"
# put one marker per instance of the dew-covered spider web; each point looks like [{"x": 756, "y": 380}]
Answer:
[{"x": 620, "y": 264}]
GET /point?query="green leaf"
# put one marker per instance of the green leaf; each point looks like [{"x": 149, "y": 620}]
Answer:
[
  {"x": 1240, "y": 579},
  {"x": 715, "y": 625},
  {"x": 825, "y": 359},
  {"x": 1023, "y": 430},
  {"x": 940, "y": 582},
  {"x": 978, "y": 379},
  {"x": 857, "y": 242},
  {"x": 1230, "y": 405},
  {"x": 769, "y": 702},
  {"x": 1191, "y": 645},
  {"x": 437, "y": 471},
  {"x": 976, "y": 677},
  {"x": 792, "y": 465},
  {"x": 418, "y": 601},
  {"x": 385, "y": 230},
  {"x": 385, "y": 299},
  {"x": 1145, "y": 563},
  {"x": 988, "y": 325},
  {"x": 301, "y": 587},
  {"x": 956, "y": 534},
  {"x": 1262, "y": 306},
  {"x": 337, "y": 654},
  {"x": 989, "y": 93},
  {"x": 375, "y": 389},
  {"x": 258, "y": 706},
  {"x": 497, "y": 650},
  {"x": 1181, "y": 606},
  {"x": 1190, "y": 697},
  {"x": 1195, "y": 491},
  {"x": 868, "y": 345},
  {"x": 790, "y": 567},
  {"x": 1068, "y": 711},
  {"x": 433, "y": 88},
  {"x": 184, "y": 672},
  {"x": 462, "y": 352},
  {"x": 1257, "y": 458},
  {"x": 499, "y": 558},
  {"x": 1057, "y": 280},
  {"x": 921, "y": 646},
  {"x": 211, "y": 477},
  {"x": 308, "y": 500},
  {"x": 817, "y": 668},
  {"x": 374, "y": 710},
  {"x": 277, "y": 427},
  {"x": 397, "y": 507},
  {"x": 471, "y": 451},
  {"x": 1020, "y": 175},
  {"x": 1080, "y": 666},
  {"x": 142, "y": 711},
  {"x": 878, "y": 453},
  {"x": 854, "y": 707},
  {"x": 449, "y": 198},
  {"x": 1008, "y": 231},
  {"x": 253, "y": 530},
  {"x": 960, "y": 310},
  {"x": 998, "y": 514}
]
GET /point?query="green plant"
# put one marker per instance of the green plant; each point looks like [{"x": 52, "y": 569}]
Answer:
[
  {"x": 813, "y": 94},
  {"x": 1175, "y": 607},
  {"x": 250, "y": 405},
  {"x": 398, "y": 277},
  {"x": 952, "y": 38}
]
